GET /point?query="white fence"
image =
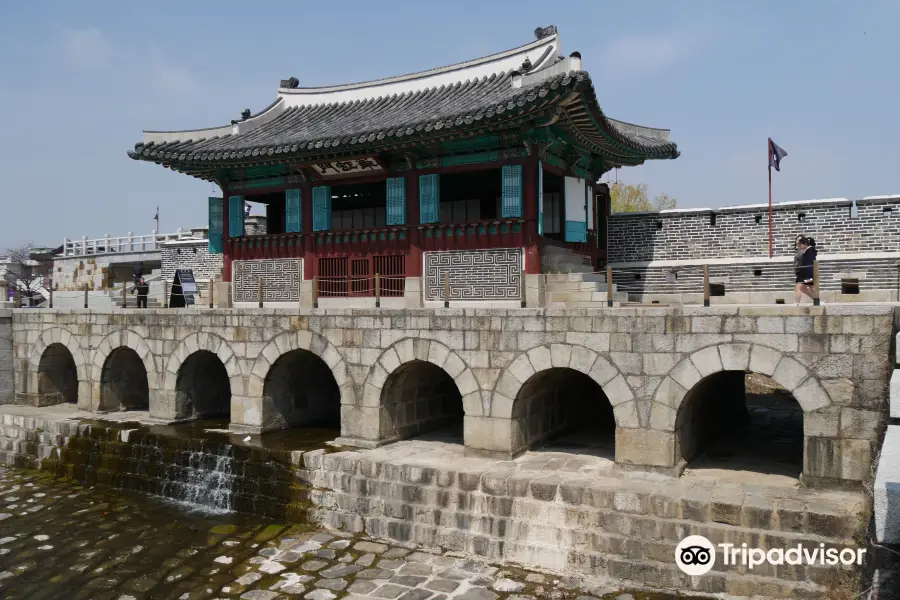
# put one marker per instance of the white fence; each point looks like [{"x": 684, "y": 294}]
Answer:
[{"x": 118, "y": 245}]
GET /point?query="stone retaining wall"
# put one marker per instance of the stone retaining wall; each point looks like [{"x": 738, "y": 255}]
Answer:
[
  {"x": 572, "y": 519},
  {"x": 7, "y": 393}
]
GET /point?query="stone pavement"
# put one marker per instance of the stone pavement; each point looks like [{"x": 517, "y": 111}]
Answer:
[{"x": 60, "y": 540}]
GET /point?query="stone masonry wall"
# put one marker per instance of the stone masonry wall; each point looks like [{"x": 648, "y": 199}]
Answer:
[
  {"x": 742, "y": 232},
  {"x": 191, "y": 255},
  {"x": 833, "y": 359},
  {"x": 7, "y": 394}
]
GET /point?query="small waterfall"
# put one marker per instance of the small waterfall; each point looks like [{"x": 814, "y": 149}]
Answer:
[
  {"x": 206, "y": 480},
  {"x": 200, "y": 472}
]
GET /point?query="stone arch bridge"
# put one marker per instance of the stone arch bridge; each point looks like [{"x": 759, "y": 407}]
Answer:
[{"x": 510, "y": 379}]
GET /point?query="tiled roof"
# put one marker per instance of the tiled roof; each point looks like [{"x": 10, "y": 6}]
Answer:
[{"x": 303, "y": 124}]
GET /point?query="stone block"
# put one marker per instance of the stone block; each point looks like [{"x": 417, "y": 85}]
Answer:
[
  {"x": 707, "y": 361},
  {"x": 822, "y": 457},
  {"x": 856, "y": 459},
  {"x": 811, "y": 396},
  {"x": 629, "y": 363},
  {"x": 603, "y": 371},
  {"x": 823, "y": 422},
  {"x": 645, "y": 447},
  {"x": 662, "y": 417},
  {"x": 790, "y": 373},
  {"x": 895, "y": 394},
  {"x": 859, "y": 423},
  {"x": 686, "y": 374},
  {"x": 669, "y": 392},
  {"x": 735, "y": 357},
  {"x": 887, "y": 489},
  {"x": 617, "y": 391},
  {"x": 659, "y": 363},
  {"x": 492, "y": 434},
  {"x": 841, "y": 391},
  {"x": 540, "y": 359},
  {"x": 560, "y": 355}
]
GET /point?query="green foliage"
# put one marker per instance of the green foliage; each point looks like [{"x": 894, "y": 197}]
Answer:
[{"x": 627, "y": 197}]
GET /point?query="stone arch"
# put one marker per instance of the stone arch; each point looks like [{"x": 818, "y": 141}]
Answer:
[
  {"x": 211, "y": 343},
  {"x": 124, "y": 338},
  {"x": 571, "y": 356},
  {"x": 301, "y": 340},
  {"x": 431, "y": 351},
  {"x": 734, "y": 356},
  {"x": 58, "y": 335}
]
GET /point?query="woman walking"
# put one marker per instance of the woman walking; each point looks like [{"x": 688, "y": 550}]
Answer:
[{"x": 806, "y": 252}]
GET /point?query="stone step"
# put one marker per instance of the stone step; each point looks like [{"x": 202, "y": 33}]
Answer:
[
  {"x": 576, "y": 277},
  {"x": 573, "y": 286}
]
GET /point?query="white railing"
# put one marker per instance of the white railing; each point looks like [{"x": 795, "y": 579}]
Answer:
[{"x": 121, "y": 244}]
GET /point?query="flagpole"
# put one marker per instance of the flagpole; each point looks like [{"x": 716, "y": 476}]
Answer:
[{"x": 770, "y": 197}]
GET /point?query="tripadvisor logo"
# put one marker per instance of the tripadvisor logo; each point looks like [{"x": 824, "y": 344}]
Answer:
[{"x": 696, "y": 555}]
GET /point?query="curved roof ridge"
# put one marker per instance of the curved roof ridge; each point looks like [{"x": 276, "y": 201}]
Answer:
[{"x": 539, "y": 43}]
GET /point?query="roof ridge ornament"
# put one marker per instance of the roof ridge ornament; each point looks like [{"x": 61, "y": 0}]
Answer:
[
  {"x": 245, "y": 114},
  {"x": 542, "y": 32},
  {"x": 292, "y": 84}
]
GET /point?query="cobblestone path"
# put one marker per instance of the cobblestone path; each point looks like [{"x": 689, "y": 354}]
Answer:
[{"x": 60, "y": 540}]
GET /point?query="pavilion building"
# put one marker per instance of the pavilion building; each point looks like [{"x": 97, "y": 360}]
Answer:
[{"x": 460, "y": 176}]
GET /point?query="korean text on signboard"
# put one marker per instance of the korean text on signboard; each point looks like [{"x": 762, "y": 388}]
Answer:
[{"x": 355, "y": 166}]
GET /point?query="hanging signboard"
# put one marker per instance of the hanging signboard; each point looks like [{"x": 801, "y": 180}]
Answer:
[{"x": 355, "y": 166}]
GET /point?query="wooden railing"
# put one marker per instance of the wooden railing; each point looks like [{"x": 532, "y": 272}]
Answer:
[{"x": 496, "y": 233}]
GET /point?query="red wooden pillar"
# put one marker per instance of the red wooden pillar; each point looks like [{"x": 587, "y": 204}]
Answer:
[
  {"x": 227, "y": 250},
  {"x": 414, "y": 260},
  {"x": 309, "y": 257},
  {"x": 530, "y": 214}
]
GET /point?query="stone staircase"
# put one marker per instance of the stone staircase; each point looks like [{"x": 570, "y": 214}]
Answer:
[
  {"x": 556, "y": 259},
  {"x": 570, "y": 280},
  {"x": 579, "y": 290},
  {"x": 154, "y": 298}
]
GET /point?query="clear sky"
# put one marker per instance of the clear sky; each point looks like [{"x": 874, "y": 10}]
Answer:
[{"x": 79, "y": 81}]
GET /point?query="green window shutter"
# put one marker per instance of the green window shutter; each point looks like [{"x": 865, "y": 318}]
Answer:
[
  {"x": 216, "y": 225},
  {"x": 540, "y": 192},
  {"x": 396, "y": 201},
  {"x": 293, "y": 215},
  {"x": 321, "y": 208},
  {"x": 512, "y": 191},
  {"x": 235, "y": 216},
  {"x": 429, "y": 198}
]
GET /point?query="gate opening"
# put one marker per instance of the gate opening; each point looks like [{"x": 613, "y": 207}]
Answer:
[
  {"x": 566, "y": 409},
  {"x": 300, "y": 391},
  {"x": 419, "y": 397},
  {"x": 202, "y": 388},
  {"x": 123, "y": 382},
  {"x": 57, "y": 376},
  {"x": 739, "y": 421}
]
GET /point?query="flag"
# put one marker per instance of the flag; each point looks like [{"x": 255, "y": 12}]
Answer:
[
  {"x": 156, "y": 216},
  {"x": 776, "y": 153}
]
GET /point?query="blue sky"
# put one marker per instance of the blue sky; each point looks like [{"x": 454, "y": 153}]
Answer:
[{"x": 80, "y": 81}]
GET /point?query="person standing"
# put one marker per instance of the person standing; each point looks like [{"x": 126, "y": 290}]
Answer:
[
  {"x": 798, "y": 255},
  {"x": 804, "y": 277},
  {"x": 143, "y": 290}
]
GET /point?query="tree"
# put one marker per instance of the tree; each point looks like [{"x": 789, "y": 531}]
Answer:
[
  {"x": 633, "y": 198},
  {"x": 25, "y": 271}
]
